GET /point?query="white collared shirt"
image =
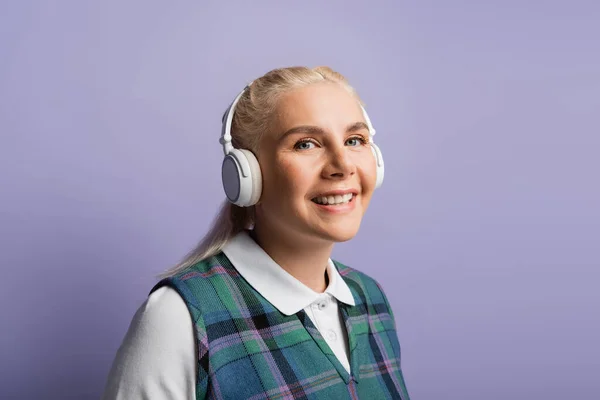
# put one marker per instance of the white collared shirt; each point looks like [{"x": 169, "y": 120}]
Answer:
[{"x": 156, "y": 358}]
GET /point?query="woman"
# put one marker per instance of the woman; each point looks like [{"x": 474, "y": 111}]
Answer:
[{"x": 259, "y": 310}]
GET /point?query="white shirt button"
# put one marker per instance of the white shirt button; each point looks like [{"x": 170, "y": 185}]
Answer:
[
  {"x": 331, "y": 335},
  {"x": 322, "y": 304}
]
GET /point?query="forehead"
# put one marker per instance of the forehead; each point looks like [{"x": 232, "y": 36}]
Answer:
[{"x": 326, "y": 104}]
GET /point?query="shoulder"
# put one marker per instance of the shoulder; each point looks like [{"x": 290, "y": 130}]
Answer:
[
  {"x": 158, "y": 347},
  {"x": 198, "y": 284},
  {"x": 163, "y": 305},
  {"x": 201, "y": 271},
  {"x": 355, "y": 277},
  {"x": 366, "y": 289},
  {"x": 162, "y": 318}
]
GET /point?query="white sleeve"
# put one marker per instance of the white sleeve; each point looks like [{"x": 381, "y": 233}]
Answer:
[{"x": 157, "y": 357}]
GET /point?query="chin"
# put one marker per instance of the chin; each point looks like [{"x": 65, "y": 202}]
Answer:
[{"x": 340, "y": 234}]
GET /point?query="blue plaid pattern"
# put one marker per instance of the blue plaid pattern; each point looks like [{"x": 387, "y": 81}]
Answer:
[{"x": 247, "y": 349}]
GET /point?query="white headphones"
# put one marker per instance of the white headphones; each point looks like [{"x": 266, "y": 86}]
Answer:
[{"x": 240, "y": 172}]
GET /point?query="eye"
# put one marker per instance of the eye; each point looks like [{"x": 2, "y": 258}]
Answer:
[
  {"x": 356, "y": 141},
  {"x": 304, "y": 145}
]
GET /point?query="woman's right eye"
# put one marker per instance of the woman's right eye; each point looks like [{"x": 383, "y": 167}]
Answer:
[{"x": 304, "y": 145}]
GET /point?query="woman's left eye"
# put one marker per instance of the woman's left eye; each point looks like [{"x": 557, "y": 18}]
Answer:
[{"x": 355, "y": 141}]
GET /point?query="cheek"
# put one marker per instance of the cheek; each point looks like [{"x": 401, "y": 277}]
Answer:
[
  {"x": 287, "y": 177},
  {"x": 368, "y": 172}
]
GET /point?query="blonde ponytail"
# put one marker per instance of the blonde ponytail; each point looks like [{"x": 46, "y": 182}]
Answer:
[{"x": 230, "y": 221}]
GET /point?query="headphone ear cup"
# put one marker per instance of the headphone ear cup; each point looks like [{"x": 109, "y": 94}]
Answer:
[
  {"x": 255, "y": 178},
  {"x": 241, "y": 177},
  {"x": 379, "y": 164}
]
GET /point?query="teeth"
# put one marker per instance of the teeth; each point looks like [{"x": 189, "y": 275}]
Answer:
[{"x": 334, "y": 200}]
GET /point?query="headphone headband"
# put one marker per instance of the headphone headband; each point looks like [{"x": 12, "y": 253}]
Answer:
[{"x": 227, "y": 122}]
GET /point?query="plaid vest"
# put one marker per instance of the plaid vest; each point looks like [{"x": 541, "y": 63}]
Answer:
[{"x": 247, "y": 349}]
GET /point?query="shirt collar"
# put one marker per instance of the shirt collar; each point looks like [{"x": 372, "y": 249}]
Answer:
[{"x": 275, "y": 284}]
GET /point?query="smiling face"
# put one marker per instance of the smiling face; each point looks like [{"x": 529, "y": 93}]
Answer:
[{"x": 318, "y": 169}]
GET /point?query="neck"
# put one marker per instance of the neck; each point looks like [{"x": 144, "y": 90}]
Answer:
[{"x": 305, "y": 261}]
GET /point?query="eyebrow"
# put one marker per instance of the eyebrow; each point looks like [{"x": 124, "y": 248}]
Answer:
[{"x": 315, "y": 130}]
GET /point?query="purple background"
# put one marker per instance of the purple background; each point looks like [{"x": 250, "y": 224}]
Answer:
[{"x": 485, "y": 235}]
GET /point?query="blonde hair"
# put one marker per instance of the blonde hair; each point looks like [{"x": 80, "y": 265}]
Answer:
[{"x": 252, "y": 118}]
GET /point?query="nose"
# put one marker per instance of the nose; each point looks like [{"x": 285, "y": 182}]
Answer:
[{"x": 339, "y": 164}]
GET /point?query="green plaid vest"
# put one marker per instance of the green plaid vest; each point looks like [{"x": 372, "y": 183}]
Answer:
[{"x": 247, "y": 349}]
